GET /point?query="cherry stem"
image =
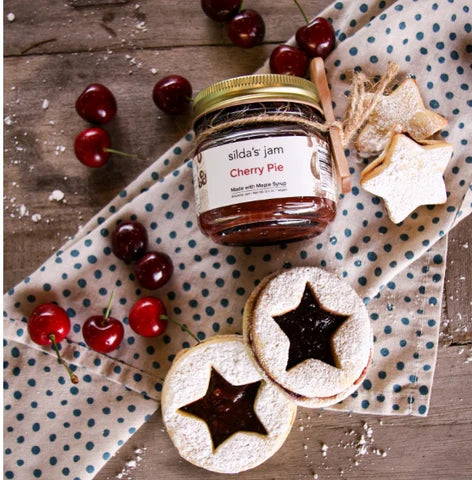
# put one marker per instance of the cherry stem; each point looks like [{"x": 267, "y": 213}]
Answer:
[
  {"x": 183, "y": 327},
  {"x": 241, "y": 7},
  {"x": 302, "y": 11},
  {"x": 108, "y": 310},
  {"x": 123, "y": 154},
  {"x": 73, "y": 377}
]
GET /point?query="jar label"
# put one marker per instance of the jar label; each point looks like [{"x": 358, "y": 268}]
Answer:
[{"x": 263, "y": 169}]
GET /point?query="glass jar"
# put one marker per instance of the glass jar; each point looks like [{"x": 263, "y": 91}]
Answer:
[{"x": 262, "y": 168}]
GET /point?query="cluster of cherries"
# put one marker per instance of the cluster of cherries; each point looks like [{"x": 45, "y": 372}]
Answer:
[
  {"x": 49, "y": 324},
  {"x": 97, "y": 104},
  {"x": 315, "y": 39},
  {"x": 246, "y": 29},
  {"x": 129, "y": 242}
]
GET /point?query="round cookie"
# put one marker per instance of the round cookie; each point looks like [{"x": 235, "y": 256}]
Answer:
[
  {"x": 310, "y": 334},
  {"x": 219, "y": 411}
]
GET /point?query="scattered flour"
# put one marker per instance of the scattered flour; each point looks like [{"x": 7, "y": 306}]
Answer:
[
  {"x": 131, "y": 464},
  {"x": 358, "y": 443},
  {"x": 56, "y": 196}
]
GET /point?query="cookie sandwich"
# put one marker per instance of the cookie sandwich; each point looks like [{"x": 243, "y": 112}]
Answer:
[
  {"x": 219, "y": 411},
  {"x": 309, "y": 334}
]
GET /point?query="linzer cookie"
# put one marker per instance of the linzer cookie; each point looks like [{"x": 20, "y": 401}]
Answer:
[
  {"x": 402, "y": 111},
  {"x": 309, "y": 333},
  {"x": 219, "y": 411},
  {"x": 408, "y": 175}
]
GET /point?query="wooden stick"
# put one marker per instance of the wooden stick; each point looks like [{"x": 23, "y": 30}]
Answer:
[{"x": 318, "y": 77}]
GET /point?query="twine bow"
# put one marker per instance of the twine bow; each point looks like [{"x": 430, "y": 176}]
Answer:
[{"x": 363, "y": 98}]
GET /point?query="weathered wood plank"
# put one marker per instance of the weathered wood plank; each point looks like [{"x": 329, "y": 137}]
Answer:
[
  {"x": 458, "y": 286},
  {"x": 436, "y": 446},
  {"x": 74, "y": 26}
]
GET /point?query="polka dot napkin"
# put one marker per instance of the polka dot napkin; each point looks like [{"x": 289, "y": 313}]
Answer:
[{"x": 54, "y": 429}]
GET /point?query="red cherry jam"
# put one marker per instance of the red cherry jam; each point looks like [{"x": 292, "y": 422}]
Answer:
[
  {"x": 263, "y": 172},
  {"x": 310, "y": 328},
  {"x": 227, "y": 408}
]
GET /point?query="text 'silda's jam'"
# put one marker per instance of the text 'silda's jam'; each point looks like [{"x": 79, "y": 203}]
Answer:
[{"x": 262, "y": 169}]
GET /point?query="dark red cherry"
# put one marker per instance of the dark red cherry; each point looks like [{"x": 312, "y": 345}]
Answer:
[
  {"x": 129, "y": 241},
  {"x": 172, "y": 94},
  {"x": 148, "y": 317},
  {"x": 221, "y": 10},
  {"x": 246, "y": 29},
  {"x": 316, "y": 38},
  {"x": 48, "y": 325},
  {"x": 91, "y": 147},
  {"x": 48, "y": 319},
  {"x": 96, "y": 104},
  {"x": 103, "y": 334},
  {"x": 153, "y": 270},
  {"x": 287, "y": 60}
]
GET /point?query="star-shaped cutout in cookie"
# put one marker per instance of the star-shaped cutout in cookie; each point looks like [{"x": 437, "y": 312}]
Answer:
[
  {"x": 402, "y": 111},
  {"x": 408, "y": 175},
  {"x": 309, "y": 328},
  {"x": 227, "y": 408}
]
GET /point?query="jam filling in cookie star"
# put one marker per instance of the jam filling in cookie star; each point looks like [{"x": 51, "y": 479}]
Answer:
[
  {"x": 227, "y": 408},
  {"x": 309, "y": 328},
  {"x": 403, "y": 111},
  {"x": 408, "y": 175}
]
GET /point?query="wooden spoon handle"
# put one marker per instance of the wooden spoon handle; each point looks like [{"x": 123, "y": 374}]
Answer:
[{"x": 318, "y": 77}]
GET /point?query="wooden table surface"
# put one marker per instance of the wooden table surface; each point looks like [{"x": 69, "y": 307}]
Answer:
[{"x": 53, "y": 49}]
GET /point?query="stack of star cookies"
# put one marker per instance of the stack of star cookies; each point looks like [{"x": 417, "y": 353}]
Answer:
[
  {"x": 229, "y": 402},
  {"x": 408, "y": 171}
]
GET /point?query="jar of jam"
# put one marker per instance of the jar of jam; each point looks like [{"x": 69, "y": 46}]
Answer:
[{"x": 262, "y": 168}]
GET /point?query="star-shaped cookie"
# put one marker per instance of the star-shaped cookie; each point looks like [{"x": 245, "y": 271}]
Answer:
[
  {"x": 408, "y": 175},
  {"x": 309, "y": 328},
  {"x": 402, "y": 111},
  {"x": 227, "y": 408}
]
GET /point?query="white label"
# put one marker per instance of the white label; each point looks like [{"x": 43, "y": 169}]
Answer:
[{"x": 262, "y": 169}]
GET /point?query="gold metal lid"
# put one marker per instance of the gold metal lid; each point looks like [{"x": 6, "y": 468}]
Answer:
[{"x": 255, "y": 88}]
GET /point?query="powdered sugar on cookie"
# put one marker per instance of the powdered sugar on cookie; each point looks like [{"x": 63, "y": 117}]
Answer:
[
  {"x": 408, "y": 175},
  {"x": 351, "y": 343},
  {"x": 188, "y": 381},
  {"x": 401, "y": 111}
]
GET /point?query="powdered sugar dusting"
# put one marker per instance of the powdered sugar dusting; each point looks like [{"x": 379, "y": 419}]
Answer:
[
  {"x": 57, "y": 196},
  {"x": 343, "y": 452},
  {"x": 187, "y": 381},
  {"x": 127, "y": 472},
  {"x": 409, "y": 175},
  {"x": 403, "y": 109},
  {"x": 352, "y": 342}
]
